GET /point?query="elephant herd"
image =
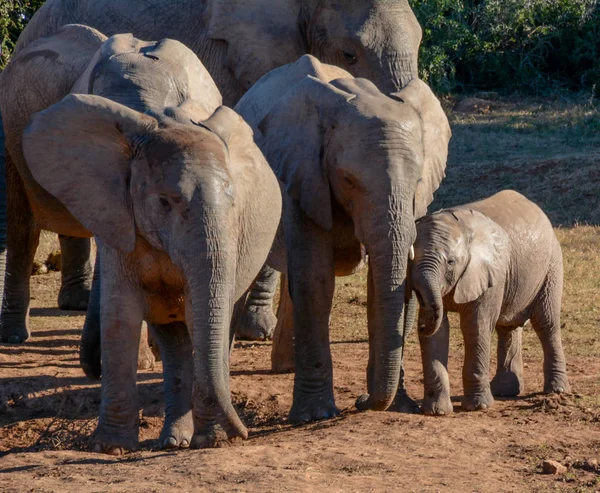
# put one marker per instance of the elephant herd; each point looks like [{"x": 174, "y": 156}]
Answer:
[{"x": 327, "y": 162}]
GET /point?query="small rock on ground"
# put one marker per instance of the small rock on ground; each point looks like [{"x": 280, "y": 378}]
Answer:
[{"x": 553, "y": 467}]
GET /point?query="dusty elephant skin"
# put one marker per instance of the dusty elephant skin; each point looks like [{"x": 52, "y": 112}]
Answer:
[
  {"x": 498, "y": 264},
  {"x": 238, "y": 41},
  {"x": 181, "y": 221},
  {"x": 357, "y": 167}
]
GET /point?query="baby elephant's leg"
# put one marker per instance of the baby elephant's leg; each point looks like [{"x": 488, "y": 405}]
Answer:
[
  {"x": 178, "y": 369},
  {"x": 434, "y": 353},
  {"x": 508, "y": 381},
  {"x": 545, "y": 320}
]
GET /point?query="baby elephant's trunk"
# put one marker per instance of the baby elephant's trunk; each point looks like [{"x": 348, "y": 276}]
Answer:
[{"x": 432, "y": 306}]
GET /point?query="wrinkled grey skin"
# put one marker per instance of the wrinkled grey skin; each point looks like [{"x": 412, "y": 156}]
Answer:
[
  {"x": 186, "y": 212},
  {"x": 498, "y": 264},
  {"x": 357, "y": 167},
  {"x": 239, "y": 41}
]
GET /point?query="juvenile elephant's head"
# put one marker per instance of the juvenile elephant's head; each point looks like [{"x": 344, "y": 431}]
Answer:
[
  {"x": 460, "y": 251},
  {"x": 136, "y": 182},
  {"x": 374, "y": 39},
  {"x": 379, "y": 159}
]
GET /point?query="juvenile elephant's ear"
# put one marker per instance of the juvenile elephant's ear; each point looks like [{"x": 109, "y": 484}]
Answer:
[
  {"x": 436, "y": 136},
  {"x": 293, "y": 139},
  {"x": 489, "y": 252},
  {"x": 80, "y": 150}
]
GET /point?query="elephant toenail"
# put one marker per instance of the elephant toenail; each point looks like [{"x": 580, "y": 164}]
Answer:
[
  {"x": 97, "y": 448},
  {"x": 184, "y": 443},
  {"x": 322, "y": 414},
  {"x": 484, "y": 406},
  {"x": 14, "y": 340},
  {"x": 115, "y": 451},
  {"x": 170, "y": 443},
  {"x": 441, "y": 413}
]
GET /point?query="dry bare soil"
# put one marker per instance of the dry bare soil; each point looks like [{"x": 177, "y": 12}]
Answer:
[{"x": 549, "y": 150}]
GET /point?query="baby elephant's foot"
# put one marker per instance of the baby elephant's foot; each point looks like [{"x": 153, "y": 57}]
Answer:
[
  {"x": 312, "y": 408},
  {"x": 507, "y": 384},
  {"x": 478, "y": 402},
  {"x": 177, "y": 433},
  {"x": 105, "y": 442},
  {"x": 403, "y": 403},
  {"x": 558, "y": 384},
  {"x": 437, "y": 405},
  {"x": 146, "y": 357}
]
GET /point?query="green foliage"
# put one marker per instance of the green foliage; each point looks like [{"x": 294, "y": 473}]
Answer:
[
  {"x": 14, "y": 15},
  {"x": 528, "y": 45}
]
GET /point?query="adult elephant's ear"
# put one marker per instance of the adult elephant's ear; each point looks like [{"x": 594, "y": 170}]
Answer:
[
  {"x": 80, "y": 150},
  {"x": 489, "y": 251},
  {"x": 260, "y": 36},
  {"x": 436, "y": 136},
  {"x": 293, "y": 138}
]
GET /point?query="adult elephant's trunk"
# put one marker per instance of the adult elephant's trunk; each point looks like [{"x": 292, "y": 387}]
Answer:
[
  {"x": 426, "y": 282},
  {"x": 2, "y": 213},
  {"x": 397, "y": 70},
  {"x": 210, "y": 292},
  {"x": 388, "y": 249}
]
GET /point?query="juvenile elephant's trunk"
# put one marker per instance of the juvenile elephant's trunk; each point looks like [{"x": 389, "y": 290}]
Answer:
[
  {"x": 211, "y": 286},
  {"x": 388, "y": 256},
  {"x": 428, "y": 286}
]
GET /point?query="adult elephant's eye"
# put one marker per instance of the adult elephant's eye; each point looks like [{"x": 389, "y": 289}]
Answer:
[
  {"x": 164, "y": 202},
  {"x": 451, "y": 261},
  {"x": 350, "y": 58}
]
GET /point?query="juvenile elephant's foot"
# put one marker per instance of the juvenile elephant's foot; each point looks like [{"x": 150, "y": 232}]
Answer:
[
  {"x": 13, "y": 334},
  {"x": 75, "y": 297},
  {"x": 478, "y": 402},
  {"x": 105, "y": 442},
  {"x": 507, "y": 384},
  {"x": 437, "y": 405},
  {"x": 557, "y": 385},
  {"x": 146, "y": 357},
  {"x": 178, "y": 433},
  {"x": 312, "y": 408},
  {"x": 256, "y": 324},
  {"x": 403, "y": 403}
]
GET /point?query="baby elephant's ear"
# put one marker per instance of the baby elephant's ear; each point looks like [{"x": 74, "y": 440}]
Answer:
[
  {"x": 489, "y": 254},
  {"x": 80, "y": 150}
]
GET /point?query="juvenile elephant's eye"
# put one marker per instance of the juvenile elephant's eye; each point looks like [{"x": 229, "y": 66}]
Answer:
[
  {"x": 164, "y": 202},
  {"x": 350, "y": 58},
  {"x": 451, "y": 261}
]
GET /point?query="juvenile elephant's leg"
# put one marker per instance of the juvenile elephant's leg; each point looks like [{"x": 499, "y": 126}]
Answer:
[
  {"x": 23, "y": 234},
  {"x": 121, "y": 321},
  {"x": 477, "y": 322},
  {"x": 312, "y": 280},
  {"x": 258, "y": 320},
  {"x": 434, "y": 354},
  {"x": 282, "y": 352},
  {"x": 146, "y": 358},
  {"x": 508, "y": 381},
  {"x": 178, "y": 370},
  {"x": 89, "y": 350},
  {"x": 545, "y": 320},
  {"x": 76, "y": 273}
]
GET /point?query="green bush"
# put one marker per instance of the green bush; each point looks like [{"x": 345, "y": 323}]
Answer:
[
  {"x": 14, "y": 15},
  {"x": 529, "y": 45}
]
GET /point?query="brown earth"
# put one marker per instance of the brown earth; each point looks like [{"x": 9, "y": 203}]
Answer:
[{"x": 48, "y": 409}]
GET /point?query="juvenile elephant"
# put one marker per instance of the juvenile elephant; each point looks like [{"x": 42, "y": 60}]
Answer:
[
  {"x": 357, "y": 168},
  {"x": 186, "y": 209},
  {"x": 238, "y": 41},
  {"x": 498, "y": 264}
]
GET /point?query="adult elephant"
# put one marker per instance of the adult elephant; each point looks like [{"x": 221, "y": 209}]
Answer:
[
  {"x": 357, "y": 168},
  {"x": 238, "y": 41}
]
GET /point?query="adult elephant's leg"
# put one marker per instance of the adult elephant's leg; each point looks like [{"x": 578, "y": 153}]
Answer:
[
  {"x": 311, "y": 277},
  {"x": 508, "y": 381},
  {"x": 178, "y": 370},
  {"x": 545, "y": 320},
  {"x": 434, "y": 354},
  {"x": 282, "y": 352},
  {"x": 89, "y": 350},
  {"x": 76, "y": 273},
  {"x": 22, "y": 241},
  {"x": 258, "y": 320}
]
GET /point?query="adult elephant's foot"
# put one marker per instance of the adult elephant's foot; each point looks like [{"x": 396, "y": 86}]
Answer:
[
  {"x": 75, "y": 296},
  {"x": 13, "y": 331},
  {"x": 256, "y": 324},
  {"x": 177, "y": 433},
  {"x": 437, "y": 405},
  {"x": 479, "y": 401},
  {"x": 507, "y": 384},
  {"x": 312, "y": 407},
  {"x": 113, "y": 443},
  {"x": 558, "y": 384},
  {"x": 212, "y": 438},
  {"x": 403, "y": 403}
]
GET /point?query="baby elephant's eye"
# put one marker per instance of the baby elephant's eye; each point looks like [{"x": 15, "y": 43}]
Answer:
[
  {"x": 451, "y": 261},
  {"x": 164, "y": 202}
]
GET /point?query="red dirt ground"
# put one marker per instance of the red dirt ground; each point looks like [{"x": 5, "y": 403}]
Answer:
[{"x": 48, "y": 409}]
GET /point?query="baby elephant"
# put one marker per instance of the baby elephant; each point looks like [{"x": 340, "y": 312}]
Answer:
[{"x": 498, "y": 264}]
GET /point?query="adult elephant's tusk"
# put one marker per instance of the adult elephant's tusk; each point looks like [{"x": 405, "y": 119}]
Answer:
[{"x": 411, "y": 255}]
